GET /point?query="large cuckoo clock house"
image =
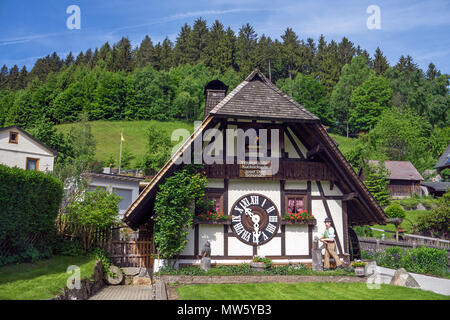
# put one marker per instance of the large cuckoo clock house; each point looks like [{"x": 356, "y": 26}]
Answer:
[{"x": 267, "y": 159}]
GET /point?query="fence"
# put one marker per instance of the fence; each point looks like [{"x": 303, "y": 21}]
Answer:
[{"x": 131, "y": 253}]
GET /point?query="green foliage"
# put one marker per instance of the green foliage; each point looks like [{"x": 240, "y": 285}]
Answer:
[
  {"x": 445, "y": 174},
  {"x": 307, "y": 91},
  {"x": 245, "y": 269},
  {"x": 394, "y": 211},
  {"x": 436, "y": 222},
  {"x": 403, "y": 135},
  {"x": 368, "y": 101},
  {"x": 29, "y": 205},
  {"x": 174, "y": 209},
  {"x": 358, "y": 264},
  {"x": 409, "y": 203},
  {"x": 266, "y": 261},
  {"x": 159, "y": 150},
  {"x": 95, "y": 211},
  {"x": 363, "y": 231},
  {"x": 68, "y": 247},
  {"x": 420, "y": 260},
  {"x": 352, "y": 76},
  {"x": 376, "y": 180},
  {"x": 102, "y": 255}
]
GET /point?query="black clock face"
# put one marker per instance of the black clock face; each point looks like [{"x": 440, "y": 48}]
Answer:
[{"x": 254, "y": 219}]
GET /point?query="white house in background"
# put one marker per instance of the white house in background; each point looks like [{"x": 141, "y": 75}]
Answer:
[
  {"x": 20, "y": 149},
  {"x": 126, "y": 187}
]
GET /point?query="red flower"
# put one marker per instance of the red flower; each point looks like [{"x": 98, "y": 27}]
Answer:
[{"x": 207, "y": 218}]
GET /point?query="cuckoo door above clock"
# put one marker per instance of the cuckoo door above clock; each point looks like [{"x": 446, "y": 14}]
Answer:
[{"x": 254, "y": 219}]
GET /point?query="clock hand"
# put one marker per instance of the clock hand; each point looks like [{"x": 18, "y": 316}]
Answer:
[{"x": 255, "y": 218}]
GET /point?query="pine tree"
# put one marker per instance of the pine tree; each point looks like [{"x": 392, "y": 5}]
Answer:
[
  {"x": 105, "y": 52},
  {"x": 166, "y": 58},
  {"x": 376, "y": 180},
  {"x": 69, "y": 59},
  {"x": 13, "y": 77},
  {"x": 346, "y": 51},
  {"x": 181, "y": 50},
  {"x": 196, "y": 50},
  {"x": 145, "y": 53},
  {"x": 380, "y": 64},
  {"x": 432, "y": 72},
  {"x": 291, "y": 52},
  {"x": 245, "y": 49},
  {"x": 122, "y": 56},
  {"x": 4, "y": 77},
  {"x": 217, "y": 53},
  {"x": 22, "y": 79}
]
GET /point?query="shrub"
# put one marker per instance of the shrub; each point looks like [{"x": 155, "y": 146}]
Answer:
[
  {"x": 445, "y": 174},
  {"x": 66, "y": 247},
  {"x": 363, "y": 231},
  {"x": 30, "y": 201},
  {"x": 427, "y": 203},
  {"x": 420, "y": 260},
  {"x": 394, "y": 211},
  {"x": 436, "y": 222},
  {"x": 409, "y": 203}
]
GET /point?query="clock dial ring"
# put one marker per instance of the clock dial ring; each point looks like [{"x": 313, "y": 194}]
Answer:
[{"x": 245, "y": 224}]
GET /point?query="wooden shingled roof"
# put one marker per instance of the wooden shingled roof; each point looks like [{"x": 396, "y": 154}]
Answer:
[{"x": 257, "y": 98}]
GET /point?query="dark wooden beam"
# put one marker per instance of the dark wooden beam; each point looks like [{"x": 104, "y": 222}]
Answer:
[
  {"x": 350, "y": 196},
  {"x": 314, "y": 151}
]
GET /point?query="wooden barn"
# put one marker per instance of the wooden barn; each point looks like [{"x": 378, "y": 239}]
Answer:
[
  {"x": 404, "y": 179},
  {"x": 296, "y": 166}
]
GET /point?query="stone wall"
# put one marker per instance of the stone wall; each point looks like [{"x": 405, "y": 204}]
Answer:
[{"x": 88, "y": 286}]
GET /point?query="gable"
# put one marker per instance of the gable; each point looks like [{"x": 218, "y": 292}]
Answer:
[{"x": 25, "y": 142}]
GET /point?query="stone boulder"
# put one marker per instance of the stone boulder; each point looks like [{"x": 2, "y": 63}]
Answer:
[
  {"x": 117, "y": 278},
  {"x": 404, "y": 279}
]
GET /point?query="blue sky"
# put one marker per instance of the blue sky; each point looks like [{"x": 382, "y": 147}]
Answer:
[{"x": 33, "y": 29}]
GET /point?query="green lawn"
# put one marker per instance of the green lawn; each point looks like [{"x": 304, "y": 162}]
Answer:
[
  {"x": 344, "y": 144},
  {"x": 411, "y": 216},
  {"x": 107, "y": 135},
  {"x": 302, "y": 291},
  {"x": 41, "y": 280}
]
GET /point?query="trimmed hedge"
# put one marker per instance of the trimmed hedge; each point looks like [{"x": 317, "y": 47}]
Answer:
[{"x": 29, "y": 204}]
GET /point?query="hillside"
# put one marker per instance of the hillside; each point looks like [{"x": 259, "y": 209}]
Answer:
[{"x": 107, "y": 136}]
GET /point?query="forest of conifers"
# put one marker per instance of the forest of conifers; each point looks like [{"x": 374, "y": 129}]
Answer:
[{"x": 351, "y": 90}]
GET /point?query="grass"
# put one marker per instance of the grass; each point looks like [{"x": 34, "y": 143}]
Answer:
[
  {"x": 411, "y": 216},
  {"x": 345, "y": 144},
  {"x": 41, "y": 280},
  {"x": 107, "y": 136},
  {"x": 302, "y": 291}
]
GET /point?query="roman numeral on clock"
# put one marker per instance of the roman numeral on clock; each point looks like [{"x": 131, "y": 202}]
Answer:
[
  {"x": 254, "y": 200},
  {"x": 246, "y": 235},
  {"x": 271, "y": 228},
  {"x": 236, "y": 218},
  {"x": 270, "y": 209},
  {"x": 273, "y": 218},
  {"x": 239, "y": 228},
  {"x": 245, "y": 202}
]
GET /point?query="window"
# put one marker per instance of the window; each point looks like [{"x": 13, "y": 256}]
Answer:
[
  {"x": 13, "y": 137},
  {"x": 217, "y": 200},
  {"x": 32, "y": 164},
  {"x": 295, "y": 203}
]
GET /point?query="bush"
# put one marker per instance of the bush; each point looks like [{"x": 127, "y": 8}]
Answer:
[
  {"x": 266, "y": 261},
  {"x": 394, "y": 211},
  {"x": 420, "y": 260},
  {"x": 30, "y": 201},
  {"x": 363, "y": 231},
  {"x": 66, "y": 247},
  {"x": 409, "y": 203},
  {"x": 427, "y": 203},
  {"x": 445, "y": 174},
  {"x": 436, "y": 222}
]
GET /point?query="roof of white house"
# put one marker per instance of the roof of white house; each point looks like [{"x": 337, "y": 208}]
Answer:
[{"x": 43, "y": 145}]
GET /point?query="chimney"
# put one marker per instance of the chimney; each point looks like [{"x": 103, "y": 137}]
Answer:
[{"x": 215, "y": 91}]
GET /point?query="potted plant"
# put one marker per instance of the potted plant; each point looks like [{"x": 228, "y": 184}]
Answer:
[
  {"x": 260, "y": 263},
  {"x": 359, "y": 267}
]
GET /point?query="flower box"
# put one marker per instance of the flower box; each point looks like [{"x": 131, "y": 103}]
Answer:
[
  {"x": 258, "y": 266},
  {"x": 202, "y": 221},
  {"x": 300, "y": 222}
]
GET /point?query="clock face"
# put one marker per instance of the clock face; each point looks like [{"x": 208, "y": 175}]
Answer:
[{"x": 254, "y": 219}]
